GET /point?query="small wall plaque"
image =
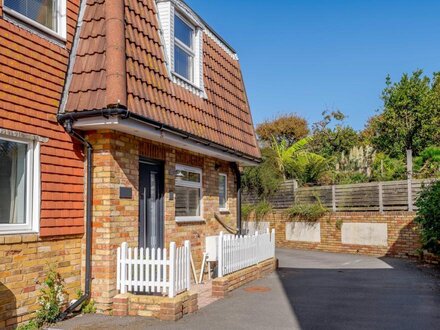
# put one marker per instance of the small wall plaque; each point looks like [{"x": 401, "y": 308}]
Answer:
[{"x": 125, "y": 193}]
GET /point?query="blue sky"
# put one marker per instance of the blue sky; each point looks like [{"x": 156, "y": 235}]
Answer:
[{"x": 308, "y": 56}]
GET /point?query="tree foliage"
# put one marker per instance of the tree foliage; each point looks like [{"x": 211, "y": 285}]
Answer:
[
  {"x": 284, "y": 155},
  {"x": 410, "y": 117},
  {"x": 290, "y": 128},
  {"x": 428, "y": 163},
  {"x": 332, "y": 142},
  {"x": 263, "y": 180},
  {"x": 310, "y": 168},
  {"x": 428, "y": 217}
]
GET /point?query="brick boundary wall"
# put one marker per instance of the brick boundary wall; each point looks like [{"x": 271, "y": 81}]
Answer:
[
  {"x": 24, "y": 262},
  {"x": 223, "y": 285},
  {"x": 162, "y": 308},
  {"x": 402, "y": 234}
]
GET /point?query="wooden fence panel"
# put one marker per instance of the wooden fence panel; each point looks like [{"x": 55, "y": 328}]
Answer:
[{"x": 371, "y": 196}]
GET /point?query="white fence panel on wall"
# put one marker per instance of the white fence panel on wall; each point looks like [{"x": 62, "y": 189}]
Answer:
[
  {"x": 238, "y": 252},
  {"x": 251, "y": 227},
  {"x": 153, "y": 270}
]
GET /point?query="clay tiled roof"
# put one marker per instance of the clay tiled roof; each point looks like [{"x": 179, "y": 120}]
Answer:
[{"x": 222, "y": 117}]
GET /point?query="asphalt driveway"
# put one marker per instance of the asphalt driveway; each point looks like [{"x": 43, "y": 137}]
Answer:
[{"x": 313, "y": 290}]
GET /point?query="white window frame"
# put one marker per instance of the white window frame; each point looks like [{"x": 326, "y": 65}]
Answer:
[
  {"x": 190, "y": 184},
  {"x": 166, "y": 11},
  {"x": 32, "y": 189},
  {"x": 226, "y": 208},
  {"x": 190, "y": 51},
  {"x": 61, "y": 20}
]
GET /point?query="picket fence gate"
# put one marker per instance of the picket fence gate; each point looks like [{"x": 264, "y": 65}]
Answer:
[
  {"x": 238, "y": 252},
  {"x": 154, "y": 270}
]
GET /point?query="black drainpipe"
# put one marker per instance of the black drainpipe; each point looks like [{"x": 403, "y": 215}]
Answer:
[
  {"x": 238, "y": 176},
  {"x": 87, "y": 287}
]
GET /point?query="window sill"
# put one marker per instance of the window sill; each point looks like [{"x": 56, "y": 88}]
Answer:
[
  {"x": 189, "y": 219},
  {"x": 224, "y": 211},
  {"x": 186, "y": 81},
  {"x": 189, "y": 85},
  {"x": 33, "y": 26}
]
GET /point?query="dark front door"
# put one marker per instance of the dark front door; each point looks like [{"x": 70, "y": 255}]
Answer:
[{"x": 151, "y": 181}]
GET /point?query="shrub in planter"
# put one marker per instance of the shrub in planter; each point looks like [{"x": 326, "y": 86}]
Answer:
[
  {"x": 428, "y": 217},
  {"x": 262, "y": 209},
  {"x": 246, "y": 210},
  {"x": 309, "y": 212}
]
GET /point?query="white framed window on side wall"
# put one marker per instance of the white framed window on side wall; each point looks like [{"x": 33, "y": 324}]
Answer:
[{"x": 223, "y": 192}]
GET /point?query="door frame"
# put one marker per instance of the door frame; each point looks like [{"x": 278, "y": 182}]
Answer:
[{"x": 161, "y": 185}]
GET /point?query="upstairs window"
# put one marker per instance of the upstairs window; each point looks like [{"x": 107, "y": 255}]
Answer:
[
  {"x": 46, "y": 15},
  {"x": 183, "y": 44},
  {"x": 183, "y": 48}
]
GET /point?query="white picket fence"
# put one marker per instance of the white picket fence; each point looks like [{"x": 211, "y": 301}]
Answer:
[
  {"x": 153, "y": 270},
  {"x": 238, "y": 252}
]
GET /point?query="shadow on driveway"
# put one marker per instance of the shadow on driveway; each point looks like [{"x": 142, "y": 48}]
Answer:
[{"x": 340, "y": 291}]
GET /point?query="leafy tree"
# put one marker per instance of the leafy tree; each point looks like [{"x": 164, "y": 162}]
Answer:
[
  {"x": 332, "y": 142},
  {"x": 410, "y": 115},
  {"x": 289, "y": 128},
  {"x": 428, "y": 217},
  {"x": 428, "y": 163},
  {"x": 262, "y": 180},
  {"x": 386, "y": 168}
]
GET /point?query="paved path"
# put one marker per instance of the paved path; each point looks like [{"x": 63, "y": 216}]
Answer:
[{"x": 313, "y": 290}]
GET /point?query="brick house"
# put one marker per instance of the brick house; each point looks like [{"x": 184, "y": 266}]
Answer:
[
  {"x": 156, "y": 98},
  {"x": 41, "y": 167}
]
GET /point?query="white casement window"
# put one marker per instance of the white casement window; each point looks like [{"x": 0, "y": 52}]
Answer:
[
  {"x": 19, "y": 185},
  {"x": 183, "y": 44},
  {"x": 49, "y": 16},
  {"x": 223, "y": 192},
  {"x": 188, "y": 194},
  {"x": 183, "y": 48}
]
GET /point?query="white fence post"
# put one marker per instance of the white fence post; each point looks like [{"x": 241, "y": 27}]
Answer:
[
  {"x": 123, "y": 267},
  {"x": 220, "y": 255},
  {"x": 187, "y": 264},
  {"x": 118, "y": 268},
  {"x": 172, "y": 270},
  {"x": 272, "y": 239}
]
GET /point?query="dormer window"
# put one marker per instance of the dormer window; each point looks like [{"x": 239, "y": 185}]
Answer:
[
  {"x": 183, "y": 44},
  {"x": 183, "y": 48}
]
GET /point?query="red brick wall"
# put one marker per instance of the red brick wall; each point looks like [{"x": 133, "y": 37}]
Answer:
[
  {"x": 403, "y": 236},
  {"x": 32, "y": 71}
]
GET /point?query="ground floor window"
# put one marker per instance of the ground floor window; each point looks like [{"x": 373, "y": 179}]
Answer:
[
  {"x": 223, "y": 192},
  {"x": 17, "y": 184},
  {"x": 188, "y": 193}
]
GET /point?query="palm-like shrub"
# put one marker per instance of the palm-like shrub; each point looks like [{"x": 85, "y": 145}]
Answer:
[
  {"x": 285, "y": 155},
  {"x": 309, "y": 168}
]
